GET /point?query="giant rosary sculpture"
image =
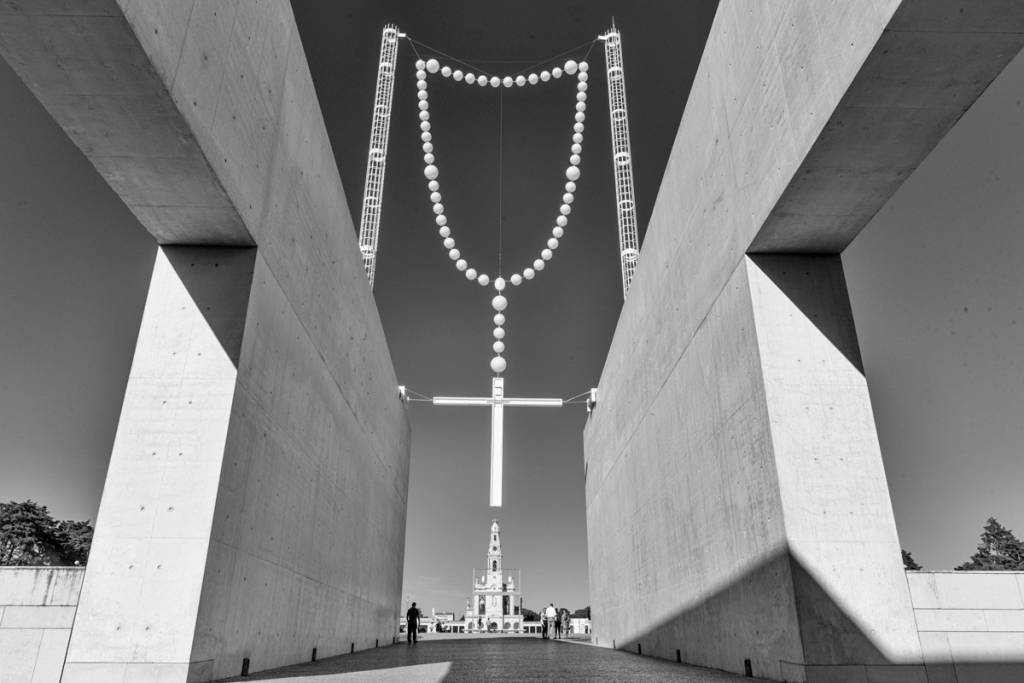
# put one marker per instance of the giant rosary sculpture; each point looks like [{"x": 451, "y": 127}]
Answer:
[{"x": 622, "y": 165}]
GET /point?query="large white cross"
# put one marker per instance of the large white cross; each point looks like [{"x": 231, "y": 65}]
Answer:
[{"x": 497, "y": 402}]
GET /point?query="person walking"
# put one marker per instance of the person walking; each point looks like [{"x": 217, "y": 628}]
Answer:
[
  {"x": 412, "y": 624},
  {"x": 549, "y": 617}
]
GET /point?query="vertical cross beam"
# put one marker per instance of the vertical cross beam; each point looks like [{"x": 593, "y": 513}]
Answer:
[
  {"x": 622, "y": 157},
  {"x": 369, "y": 219},
  {"x": 497, "y": 437}
]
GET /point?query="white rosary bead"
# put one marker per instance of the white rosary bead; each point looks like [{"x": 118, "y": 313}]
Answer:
[
  {"x": 498, "y": 364},
  {"x": 435, "y": 197},
  {"x": 431, "y": 171},
  {"x": 484, "y": 280},
  {"x": 538, "y": 265},
  {"x": 584, "y": 67},
  {"x": 552, "y": 244},
  {"x": 520, "y": 80},
  {"x": 499, "y": 347},
  {"x": 461, "y": 264},
  {"x": 532, "y": 78},
  {"x": 568, "y": 197},
  {"x": 499, "y": 284},
  {"x": 432, "y": 66},
  {"x": 433, "y": 186},
  {"x": 499, "y": 319},
  {"x": 570, "y": 186},
  {"x": 528, "y": 273},
  {"x": 420, "y": 64},
  {"x": 446, "y": 71},
  {"x": 444, "y": 231},
  {"x": 470, "y": 78},
  {"x": 556, "y": 72},
  {"x": 441, "y": 219},
  {"x": 507, "y": 81},
  {"x": 572, "y": 173},
  {"x": 454, "y": 254},
  {"x": 457, "y": 75},
  {"x": 545, "y": 76},
  {"x": 570, "y": 67},
  {"x": 495, "y": 81},
  {"x": 449, "y": 243},
  {"x": 558, "y": 231},
  {"x": 471, "y": 274},
  {"x": 438, "y": 209},
  {"x": 516, "y": 279},
  {"x": 562, "y": 221},
  {"x": 546, "y": 254}
]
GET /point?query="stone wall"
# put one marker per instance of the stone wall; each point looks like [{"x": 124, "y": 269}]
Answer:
[
  {"x": 37, "y": 609},
  {"x": 971, "y": 625}
]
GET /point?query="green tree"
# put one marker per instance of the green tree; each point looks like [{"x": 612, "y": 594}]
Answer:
[
  {"x": 77, "y": 540},
  {"x": 30, "y": 536},
  {"x": 999, "y": 549},
  {"x": 909, "y": 562},
  {"x": 582, "y": 613}
]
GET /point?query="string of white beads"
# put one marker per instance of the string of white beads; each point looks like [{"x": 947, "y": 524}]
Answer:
[{"x": 430, "y": 171}]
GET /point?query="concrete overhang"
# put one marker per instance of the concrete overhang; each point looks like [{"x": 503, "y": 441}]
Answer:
[{"x": 932, "y": 62}]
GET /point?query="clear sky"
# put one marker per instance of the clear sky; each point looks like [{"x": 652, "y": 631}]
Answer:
[{"x": 935, "y": 282}]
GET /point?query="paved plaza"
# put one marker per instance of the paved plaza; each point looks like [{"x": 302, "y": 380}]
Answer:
[{"x": 491, "y": 659}]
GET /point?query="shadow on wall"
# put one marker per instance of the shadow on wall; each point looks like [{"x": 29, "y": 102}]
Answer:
[
  {"x": 219, "y": 280},
  {"x": 732, "y": 629},
  {"x": 834, "y": 321}
]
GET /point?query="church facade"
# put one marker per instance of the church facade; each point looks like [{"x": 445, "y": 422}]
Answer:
[{"x": 496, "y": 603}]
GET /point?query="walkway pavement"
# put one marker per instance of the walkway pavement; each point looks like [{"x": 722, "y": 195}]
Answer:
[{"x": 498, "y": 660}]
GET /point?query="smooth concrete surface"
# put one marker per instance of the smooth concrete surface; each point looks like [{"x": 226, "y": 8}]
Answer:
[
  {"x": 736, "y": 502},
  {"x": 971, "y": 625},
  {"x": 255, "y": 505},
  {"x": 37, "y": 610}
]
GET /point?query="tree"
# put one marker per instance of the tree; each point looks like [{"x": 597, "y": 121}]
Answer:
[
  {"x": 530, "y": 615},
  {"x": 77, "y": 537},
  {"x": 582, "y": 613},
  {"x": 999, "y": 549},
  {"x": 30, "y": 536},
  {"x": 909, "y": 562}
]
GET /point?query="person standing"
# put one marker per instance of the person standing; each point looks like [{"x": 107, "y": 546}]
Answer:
[
  {"x": 412, "y": 624},
  {"x": 549, "y": 617}
]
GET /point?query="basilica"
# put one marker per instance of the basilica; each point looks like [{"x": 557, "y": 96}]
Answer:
[{"x": 496, "y": 604}]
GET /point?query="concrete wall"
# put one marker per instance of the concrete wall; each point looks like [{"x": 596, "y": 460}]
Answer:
[
  {"x": 737, "y": 508},
  {"x": 37, "y": 609},
  {"x": 255, "y": 503},
  {"x": 971, "y": 625}
]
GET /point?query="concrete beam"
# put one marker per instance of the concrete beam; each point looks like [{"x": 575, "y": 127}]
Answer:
[
  {"x": 932, "y": 61},
  {"x": 736, "y": 501},
  {"x": 203, "y": 117}
]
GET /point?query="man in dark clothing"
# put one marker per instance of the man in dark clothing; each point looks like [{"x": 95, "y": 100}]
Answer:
[{"x": 412, "y": 624}]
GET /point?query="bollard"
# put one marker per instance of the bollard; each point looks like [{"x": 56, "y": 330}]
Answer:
[
  {"x": 314, "y": 655},
  {"x": 679, "y": 657},
  {"x": 748, "y": 669},
  {"x": 245, "y": 666}
]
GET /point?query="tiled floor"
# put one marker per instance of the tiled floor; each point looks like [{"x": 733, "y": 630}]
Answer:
[{"x": 506, "y": 659}]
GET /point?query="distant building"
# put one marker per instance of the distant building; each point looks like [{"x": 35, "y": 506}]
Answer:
[{"x": 496, "y": 604}]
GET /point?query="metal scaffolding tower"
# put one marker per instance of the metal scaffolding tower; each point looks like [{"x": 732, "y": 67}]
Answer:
[
  {"x": 622, "y": 159},
  {"x": 369, "y": 220}
]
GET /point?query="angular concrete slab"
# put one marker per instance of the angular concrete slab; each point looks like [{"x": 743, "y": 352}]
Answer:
[{"x": 255, "y": 503}]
